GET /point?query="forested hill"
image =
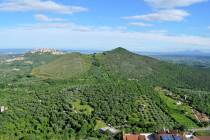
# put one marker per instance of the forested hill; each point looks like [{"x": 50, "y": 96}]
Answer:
[
  {"x": 126, "y": 65},
  {"x": 72, "y": 96}
]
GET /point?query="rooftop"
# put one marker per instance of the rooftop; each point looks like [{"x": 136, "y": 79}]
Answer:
[
  {"x": 172, "y": 135},
  {"x": 133, "y": 137},
  {"x": 203, "y": 138}
]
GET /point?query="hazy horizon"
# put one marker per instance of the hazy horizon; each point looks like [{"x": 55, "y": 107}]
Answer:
[{"x": 91, "y": 51}]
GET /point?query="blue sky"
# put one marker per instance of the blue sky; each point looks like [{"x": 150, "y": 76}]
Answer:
[{"x": 140, "y": 25}]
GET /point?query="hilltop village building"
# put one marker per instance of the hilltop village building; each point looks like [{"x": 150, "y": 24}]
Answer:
[{"x": 47, "y": 50}]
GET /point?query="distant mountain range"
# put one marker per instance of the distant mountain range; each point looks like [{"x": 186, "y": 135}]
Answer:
[
  {"x": 177, "y": 53},
  {"x": 13, "y": 51}
]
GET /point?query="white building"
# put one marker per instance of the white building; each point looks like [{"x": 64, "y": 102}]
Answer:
[{"x": 2, "y": 109}]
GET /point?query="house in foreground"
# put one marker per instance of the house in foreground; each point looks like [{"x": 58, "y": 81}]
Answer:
[
  {"x": 169, "y": 135},
  {"x": 133, "y": 137}
]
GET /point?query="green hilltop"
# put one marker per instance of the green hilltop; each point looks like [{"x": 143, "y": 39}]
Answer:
[
  {"x": 65, "y": 67},
  {"x": 119, "y": 61},
  {"x": 124, "y": 64}
]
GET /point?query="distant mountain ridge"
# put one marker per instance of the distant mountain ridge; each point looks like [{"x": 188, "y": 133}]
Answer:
[
  {"x": 13, "y": 51},
  {"x": 118, "y": 60},
  {"x": 177, "y": 53},
  {"x": 120, "y": 63}
]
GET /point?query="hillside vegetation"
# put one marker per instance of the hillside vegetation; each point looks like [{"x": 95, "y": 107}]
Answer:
[
  {"x": 72, "y": 96},
  {"x": 67, "y": 66},
  {"x": 127, "y": 64}
]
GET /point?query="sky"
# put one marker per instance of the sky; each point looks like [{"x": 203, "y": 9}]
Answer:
[{"x": 139, "y": 25}]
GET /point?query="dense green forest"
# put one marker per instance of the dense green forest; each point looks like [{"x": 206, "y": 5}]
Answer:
[{"x": 72, "y": 96}]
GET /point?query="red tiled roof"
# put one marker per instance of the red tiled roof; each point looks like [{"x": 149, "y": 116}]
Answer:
[
  {"x": 204, "y": 137},
  {"x": 133, "y": 137}
]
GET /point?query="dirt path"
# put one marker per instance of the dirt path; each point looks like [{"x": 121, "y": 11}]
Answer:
[{"x": 201, "y": 129}]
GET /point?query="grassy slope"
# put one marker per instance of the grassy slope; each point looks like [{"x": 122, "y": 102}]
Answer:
[
  {"x": 40, "y": 59},
  {"x": 20, "y": 71},
  {"x": 202, "y": 133},
  {"x": 100, "y": 124},
  {"x": 82, "y": 108},
  {"x": 176, "y": 111},
  {"x": 65, "y": 67}
]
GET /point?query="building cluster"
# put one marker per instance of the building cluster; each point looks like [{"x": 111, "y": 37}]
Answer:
[
  {"x": 47, "y": 50},
  {"x": 162, "y": 135},
  {"x": 165, "y": 135}
]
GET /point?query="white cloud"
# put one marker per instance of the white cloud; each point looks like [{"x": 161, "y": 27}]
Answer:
[
  {"x": 70, "y": 35},
  {"x": 162, "y": 15},
  {"x": 57, "y": 25},
  {"x": 140, "y": 24},
  {"x": 39, "y": 5},
  {"x": 45, "y": 26},
  {"x": 166, "y": 10},
  {"x": 41, "y": 17},
  {"x": 166, "y": 4},
  {"x": 158, "y": 31}
]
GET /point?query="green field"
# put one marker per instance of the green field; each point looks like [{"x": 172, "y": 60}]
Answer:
[
  {"x": 203, "y": 133},
  {"x": 152, "y": 113},
  {"x": 82, "y": 108},
  {"x": 100, "y": 124},
  {"x": 181, "y": 113},
  {"x": 65, "y": 67}
]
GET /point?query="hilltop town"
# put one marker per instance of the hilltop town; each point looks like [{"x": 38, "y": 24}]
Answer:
[{"x": 47, "y": 50}]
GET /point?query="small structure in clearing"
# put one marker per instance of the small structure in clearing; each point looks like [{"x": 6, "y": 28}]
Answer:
[
  {"x": 179, "y": 103},
  {"x": 3, "y": 108},
  {"x": 110, "y": 129},
  {"x": 15, "y": 69}
]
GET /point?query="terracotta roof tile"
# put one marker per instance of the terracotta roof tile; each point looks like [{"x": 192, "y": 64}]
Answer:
[{"x": 133, "y": 137}]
